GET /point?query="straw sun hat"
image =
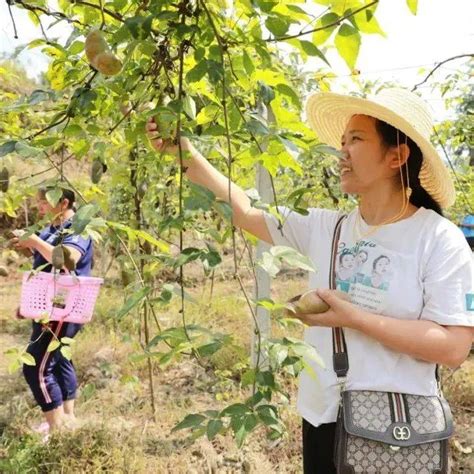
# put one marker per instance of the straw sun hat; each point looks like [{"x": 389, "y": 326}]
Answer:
[{"x": 329, "y": 113}]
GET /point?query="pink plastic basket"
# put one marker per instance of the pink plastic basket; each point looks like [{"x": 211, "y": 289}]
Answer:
[{"x": 60, "y": 297}]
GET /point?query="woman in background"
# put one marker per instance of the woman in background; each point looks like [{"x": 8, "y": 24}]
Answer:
[{"x": 52, "y": 379}]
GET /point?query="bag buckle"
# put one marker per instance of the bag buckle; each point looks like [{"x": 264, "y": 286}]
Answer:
[
  {"x": 341, "y": 382},
  {"x": 401, "y": 433},
  {"x": 340, "y": 364}
]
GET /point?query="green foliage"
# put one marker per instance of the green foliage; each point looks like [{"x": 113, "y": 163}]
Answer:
[
  {"x": 182, "y": 62},
  {"x": 347, "y": 42},
  {"x": 17, "y": 357},
  {"x": 91, "y": 447},
  {"x": 272, "y": 260},
  {"x": 133, "y": 301},
  {"x": 413, "y": 6},
  {"x": 184, "y": 340},
  {"x": 454, "y": 137},
  {"x": 286, "y": 356}
]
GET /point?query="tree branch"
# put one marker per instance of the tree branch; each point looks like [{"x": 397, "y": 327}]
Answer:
[
  {"x": 236, "y": 275},
  {"x": 41, "y": 26},
  {"x": 471, "y": 55},
  {"x": 24, "y": 178},
  {"x": 13, "y": 21},
  {"x": 51, "y": 125},
  {"x": 456, "y": 177},
  {"x": 112, "y": 14},
  {"x": 55, "y": 14},
  {"x": 316, "y": 18},
  {"x": 334, "y": 23}
]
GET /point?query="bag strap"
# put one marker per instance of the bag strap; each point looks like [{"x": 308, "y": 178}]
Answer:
[{"x": 340, "y": 359}]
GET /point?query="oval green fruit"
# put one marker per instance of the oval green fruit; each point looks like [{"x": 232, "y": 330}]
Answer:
[
  {"x": 107, "y": 64},
  {"x": 58, "y": 257},
  {"x": 97, "y": 171},
  {"x": 310, "y": 303},
  {"x": 4, "y": 180},
  {"x": 69, "y": 262},
  {"x": 95, "y": 44}
]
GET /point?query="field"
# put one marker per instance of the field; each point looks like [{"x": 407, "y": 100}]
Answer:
[{"x": 116, "y": 430}]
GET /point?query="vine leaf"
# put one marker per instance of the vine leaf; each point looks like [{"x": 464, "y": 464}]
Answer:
[
  {"x": 133, "y": 301},
  {"x": 347, "y": 43},
  {"x": 413, "y": 6}
]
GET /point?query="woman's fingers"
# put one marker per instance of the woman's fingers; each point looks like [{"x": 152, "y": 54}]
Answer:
[
  {"x": 152, "y": 129},
  {"x": 159, "y": 143},
  {"x": 153, "y": 134},
  {"x": 151, "y": 124}
]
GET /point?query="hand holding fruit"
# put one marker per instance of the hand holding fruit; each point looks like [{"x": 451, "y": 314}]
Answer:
[
  {"x": 310, "y": 302},
  {"x": 18, "y": 314},
  {"x": 162, "y": 144},
  {"x": 329, "y": 308},
  {"x": 17, "y": 242},
  {"x": 24, "y": 246}
]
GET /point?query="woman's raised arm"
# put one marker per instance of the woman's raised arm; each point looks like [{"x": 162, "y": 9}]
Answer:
[{"x": 200, "y": 171}]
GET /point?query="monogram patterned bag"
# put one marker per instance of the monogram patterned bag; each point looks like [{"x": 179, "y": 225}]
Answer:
[{"x": 384, "y": 432}]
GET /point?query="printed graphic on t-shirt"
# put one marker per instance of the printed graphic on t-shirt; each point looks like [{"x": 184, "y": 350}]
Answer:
[
  {"x": 364, "y": 271},
  {"x": 470, "y": 301}
]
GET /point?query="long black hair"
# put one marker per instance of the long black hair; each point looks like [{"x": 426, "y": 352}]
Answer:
[{"x": 393, "y": 137}]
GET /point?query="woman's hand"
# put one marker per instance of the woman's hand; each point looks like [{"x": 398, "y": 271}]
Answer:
[
  {"x": 341, "y": 313},
  {"x": 18, "y": 314},
  {"x": 164, "y": 144},
  {"x": 18, "y": 243},
  {"x": 24, "y": 246}
]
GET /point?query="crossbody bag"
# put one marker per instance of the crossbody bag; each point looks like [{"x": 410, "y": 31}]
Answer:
[{"x": 386, "y": 432}]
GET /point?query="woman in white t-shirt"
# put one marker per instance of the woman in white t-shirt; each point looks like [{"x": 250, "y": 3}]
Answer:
[{"x": 412, "y": 292}]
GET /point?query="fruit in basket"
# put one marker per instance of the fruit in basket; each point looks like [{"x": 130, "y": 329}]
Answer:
[
  {"x": 3, "y": 271},
  {"x": 58, "y": 257},
  {"x": 310, "y": 303}
]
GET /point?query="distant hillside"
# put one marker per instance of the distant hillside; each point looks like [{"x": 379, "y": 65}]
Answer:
[{"x": 13, "y": 80}]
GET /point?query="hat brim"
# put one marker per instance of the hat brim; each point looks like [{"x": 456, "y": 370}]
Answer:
[{"x": 328, "y": 114}]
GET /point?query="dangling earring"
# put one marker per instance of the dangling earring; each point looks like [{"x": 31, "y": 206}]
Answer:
[
  {"x": 408, "y": 190},
  {"x": 404, "y": 195}
]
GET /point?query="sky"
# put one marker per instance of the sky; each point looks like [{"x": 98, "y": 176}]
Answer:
[{"x": 414, "y": 44}]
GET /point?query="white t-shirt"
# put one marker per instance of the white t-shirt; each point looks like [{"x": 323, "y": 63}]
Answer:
[{"x": 417, "y": 268}]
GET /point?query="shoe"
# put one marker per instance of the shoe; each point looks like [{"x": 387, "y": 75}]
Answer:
[{"x": 42, "y": 428}]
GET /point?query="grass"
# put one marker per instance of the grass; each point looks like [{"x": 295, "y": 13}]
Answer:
[{"x": 117, "y": 431}]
